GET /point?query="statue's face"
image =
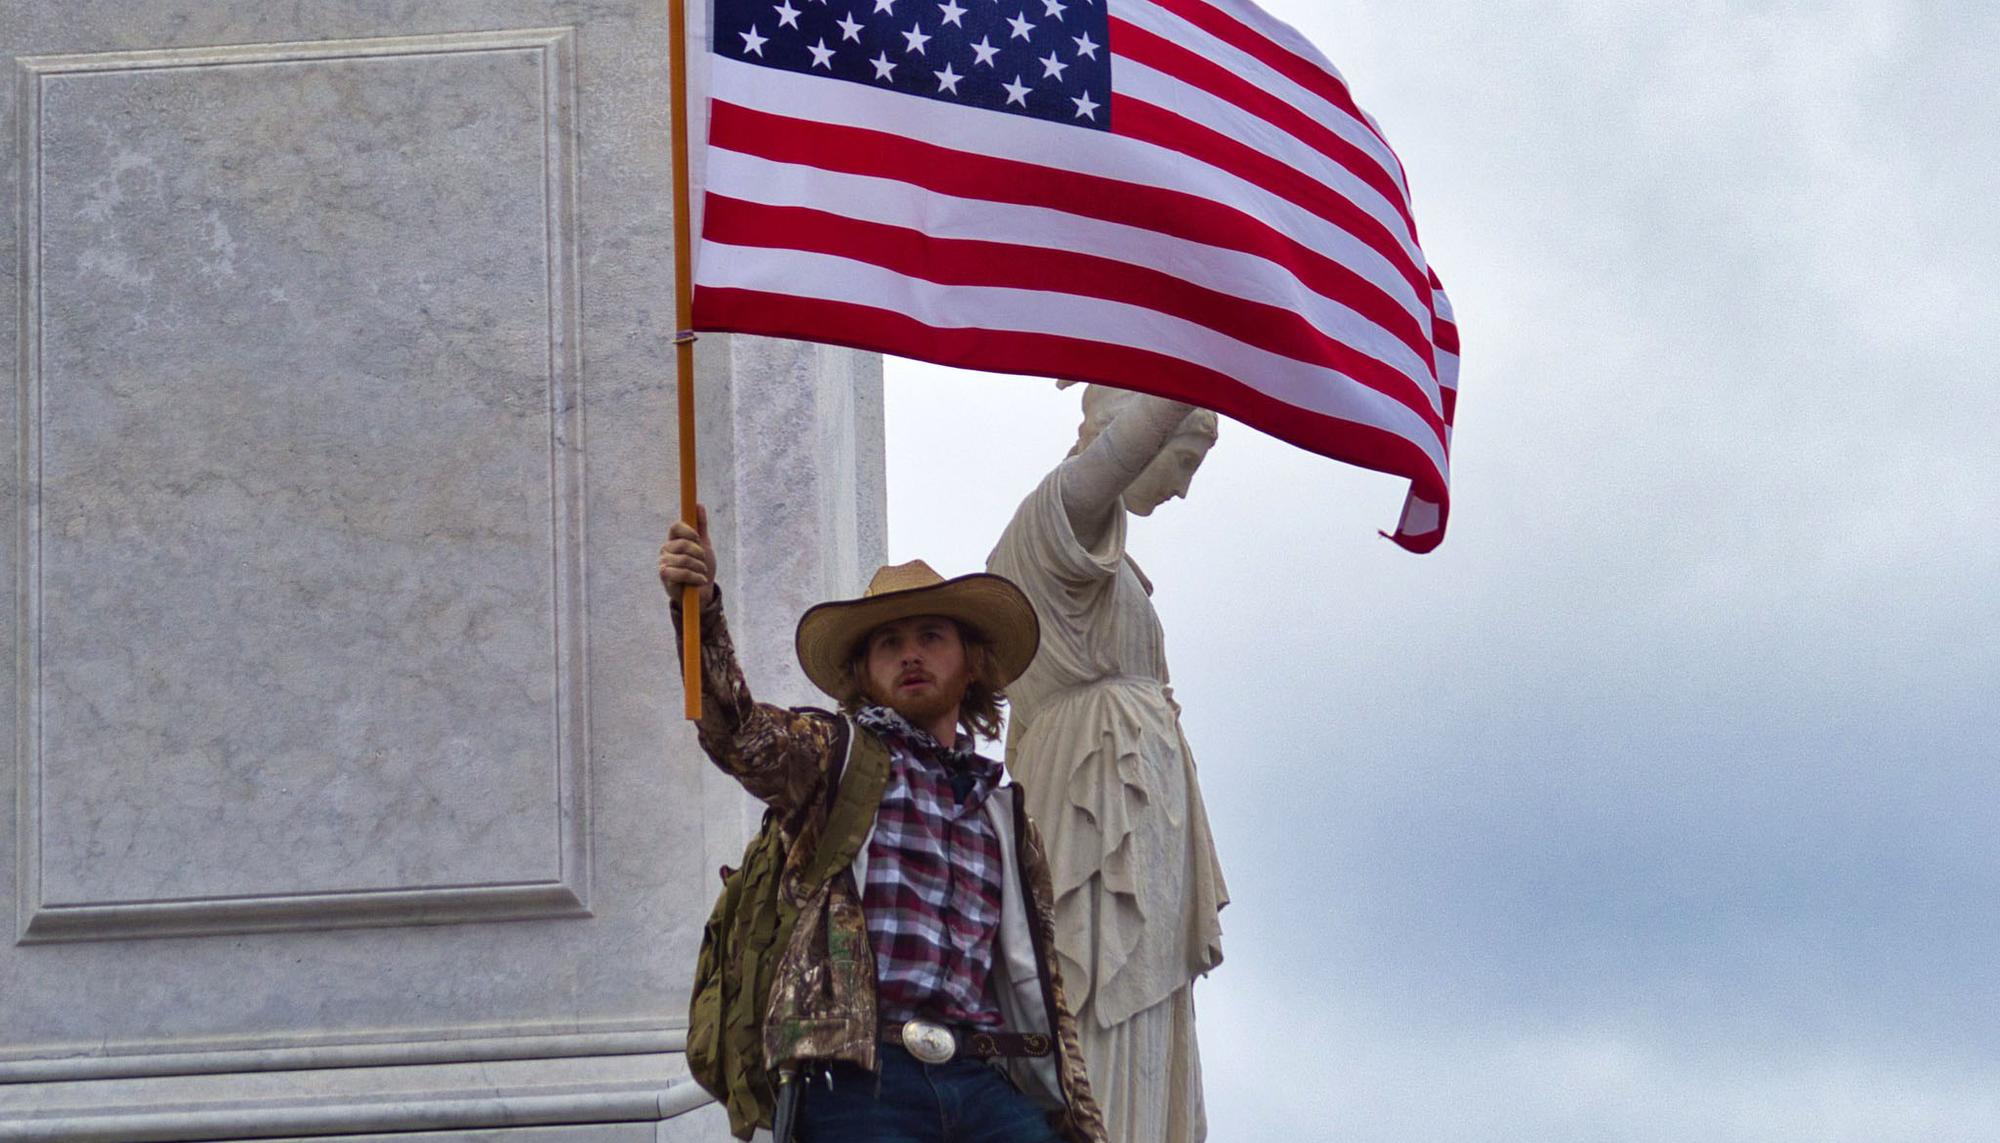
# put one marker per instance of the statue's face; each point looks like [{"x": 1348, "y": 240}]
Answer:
[
  {"x": 918, "y": 668},
  {"x": 1168, "y": 476}
]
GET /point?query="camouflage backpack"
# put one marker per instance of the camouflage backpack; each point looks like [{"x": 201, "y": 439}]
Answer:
[{"x": 752, "y": 924}]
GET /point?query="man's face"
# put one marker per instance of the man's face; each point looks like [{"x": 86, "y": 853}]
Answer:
[{"x": 917, "y": 667}]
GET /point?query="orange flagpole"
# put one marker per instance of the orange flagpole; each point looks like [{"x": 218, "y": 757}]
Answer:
[{"x": 684, "y": 344}]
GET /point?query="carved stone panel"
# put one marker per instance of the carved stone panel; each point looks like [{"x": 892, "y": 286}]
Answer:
[
  {"x": 301, "y": 639},
  {"x": 350, "y": 792}
]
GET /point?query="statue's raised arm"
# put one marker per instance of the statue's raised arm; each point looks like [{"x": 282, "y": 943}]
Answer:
[
  {"x": 1133, "y": 452},
  {"x": 1094, "y": 740}
]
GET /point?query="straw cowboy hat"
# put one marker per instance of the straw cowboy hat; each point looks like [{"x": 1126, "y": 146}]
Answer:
[{"x": 831, "y": 633}]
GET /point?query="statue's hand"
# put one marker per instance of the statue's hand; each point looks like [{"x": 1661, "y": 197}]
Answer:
[{"x": 687, "y": 559}]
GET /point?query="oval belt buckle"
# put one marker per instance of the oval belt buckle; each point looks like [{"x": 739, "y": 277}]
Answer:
[{"x": 931, "y": 1043}]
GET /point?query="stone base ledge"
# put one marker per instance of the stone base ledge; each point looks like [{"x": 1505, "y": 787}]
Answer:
[{"x": 308, "y": 1104}]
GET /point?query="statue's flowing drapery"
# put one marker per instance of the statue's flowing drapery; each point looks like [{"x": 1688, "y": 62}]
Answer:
[{"x": 1095, "y": 741}]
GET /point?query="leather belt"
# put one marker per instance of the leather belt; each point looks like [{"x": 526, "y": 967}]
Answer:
[{"x": 935, "y": 1043}]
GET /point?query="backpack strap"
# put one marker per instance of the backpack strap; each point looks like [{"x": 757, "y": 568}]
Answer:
[
  {"x": 1045, "y": 957},
  {"x": 862, "y": 778}
]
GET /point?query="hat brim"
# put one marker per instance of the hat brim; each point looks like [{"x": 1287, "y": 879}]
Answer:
[{"x": 830, "y": 633}]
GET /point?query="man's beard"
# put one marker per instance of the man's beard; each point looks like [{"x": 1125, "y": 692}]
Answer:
[{"x": 922, "y": 710}]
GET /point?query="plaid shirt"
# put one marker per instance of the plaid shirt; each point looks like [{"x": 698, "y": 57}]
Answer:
[{"x": 934, "y": 866}]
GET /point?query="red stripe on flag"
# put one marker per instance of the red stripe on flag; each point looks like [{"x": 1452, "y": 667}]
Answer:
[
  {"x": 1304, "y": 72},
  {"x": 1420, "y": 543},
  {"x": 964, "y": 174},
  {"x": 1446, "y": 335},
  {"x": 1444, "y": 331},
  {"x": 1171, "y": 59},
  {"x": 1136, "y": 119},
  {"x": 969, "y": 262},
  {"x": 1046, "y": 355}
]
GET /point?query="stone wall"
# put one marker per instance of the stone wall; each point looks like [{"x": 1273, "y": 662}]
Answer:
[{"x": 351, "y": 792}]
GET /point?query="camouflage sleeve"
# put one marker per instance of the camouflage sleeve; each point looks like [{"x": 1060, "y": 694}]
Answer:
[
  {"x": 780, "y": 756},
  {"x": 1082, "y": 1120}
]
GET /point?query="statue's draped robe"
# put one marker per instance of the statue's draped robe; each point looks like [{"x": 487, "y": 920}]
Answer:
[{"x": 1095, "y": 741}]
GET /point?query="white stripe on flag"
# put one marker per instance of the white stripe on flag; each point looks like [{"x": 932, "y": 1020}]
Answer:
[
  {"x": 1238, "y": 62},
  {"x": 1218, "y": 114},
  {"x": 1057, "y": 146},
  {"x": 1295, "y": 383},
  {"x": 895, "y": 203}
]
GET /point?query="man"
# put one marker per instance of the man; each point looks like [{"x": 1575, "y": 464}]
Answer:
[{"x": 962, "y": 1020}]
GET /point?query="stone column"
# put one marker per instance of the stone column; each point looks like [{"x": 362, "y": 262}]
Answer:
[{"x": 351, "y": 795}]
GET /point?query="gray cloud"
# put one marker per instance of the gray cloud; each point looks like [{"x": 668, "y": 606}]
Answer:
[{"x": 1659, "y": 803}]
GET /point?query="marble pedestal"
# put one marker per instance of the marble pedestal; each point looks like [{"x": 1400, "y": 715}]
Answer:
[{"x": 351, "y": 794}]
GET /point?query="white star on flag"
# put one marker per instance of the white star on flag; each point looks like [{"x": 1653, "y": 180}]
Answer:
[
  {"x": 788, "y": 16},
  {"x": 752, "y": 42},
  {"x": 883, "y": 68},
  {"x": 1017, "y": 92},
  {"x": 1085, "y": 46},
  {"x": 952, "y": 12},
  {"x": 888, "y": 6},
  {"x": 985, "y": 50},
  {"x": 948, "y": 79},
  {"x": 1022, "y": 29},
  {"x": 1085, "y": 108},
  {"x": 849, "y": 29},
  {"x": 1051, "y": 66},
  {"x": 822, "y": 55},
  {"x": 915, "y": 39},
  {"x": 1054, "y": 8}
]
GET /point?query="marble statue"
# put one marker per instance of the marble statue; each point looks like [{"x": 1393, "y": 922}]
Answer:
[{"x": 1096, "y": 743}]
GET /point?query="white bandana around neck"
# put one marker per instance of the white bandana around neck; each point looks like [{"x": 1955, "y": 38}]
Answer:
[{"x": 884, "y": 721}]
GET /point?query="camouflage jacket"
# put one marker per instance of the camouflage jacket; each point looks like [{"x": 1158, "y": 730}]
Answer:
[{"x": 822, "y": 1002}]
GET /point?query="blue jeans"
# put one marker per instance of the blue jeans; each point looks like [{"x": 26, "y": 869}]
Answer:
[{"x": 964, "y": 1101}]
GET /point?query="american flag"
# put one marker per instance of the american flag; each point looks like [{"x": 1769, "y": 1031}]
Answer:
[{"x": 1173, "y": 196}]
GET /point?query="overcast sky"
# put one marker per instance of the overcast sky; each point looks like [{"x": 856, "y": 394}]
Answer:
[{"x": 1661, "y": 802}]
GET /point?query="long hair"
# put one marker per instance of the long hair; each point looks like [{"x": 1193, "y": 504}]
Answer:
[{"x": 979, "y": 712}]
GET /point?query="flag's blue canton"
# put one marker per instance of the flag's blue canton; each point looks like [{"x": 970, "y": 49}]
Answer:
[{"x": 1043, "y": 58}]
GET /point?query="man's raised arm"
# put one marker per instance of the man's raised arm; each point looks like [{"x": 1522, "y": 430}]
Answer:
[{"x": 779, "y": 755}]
